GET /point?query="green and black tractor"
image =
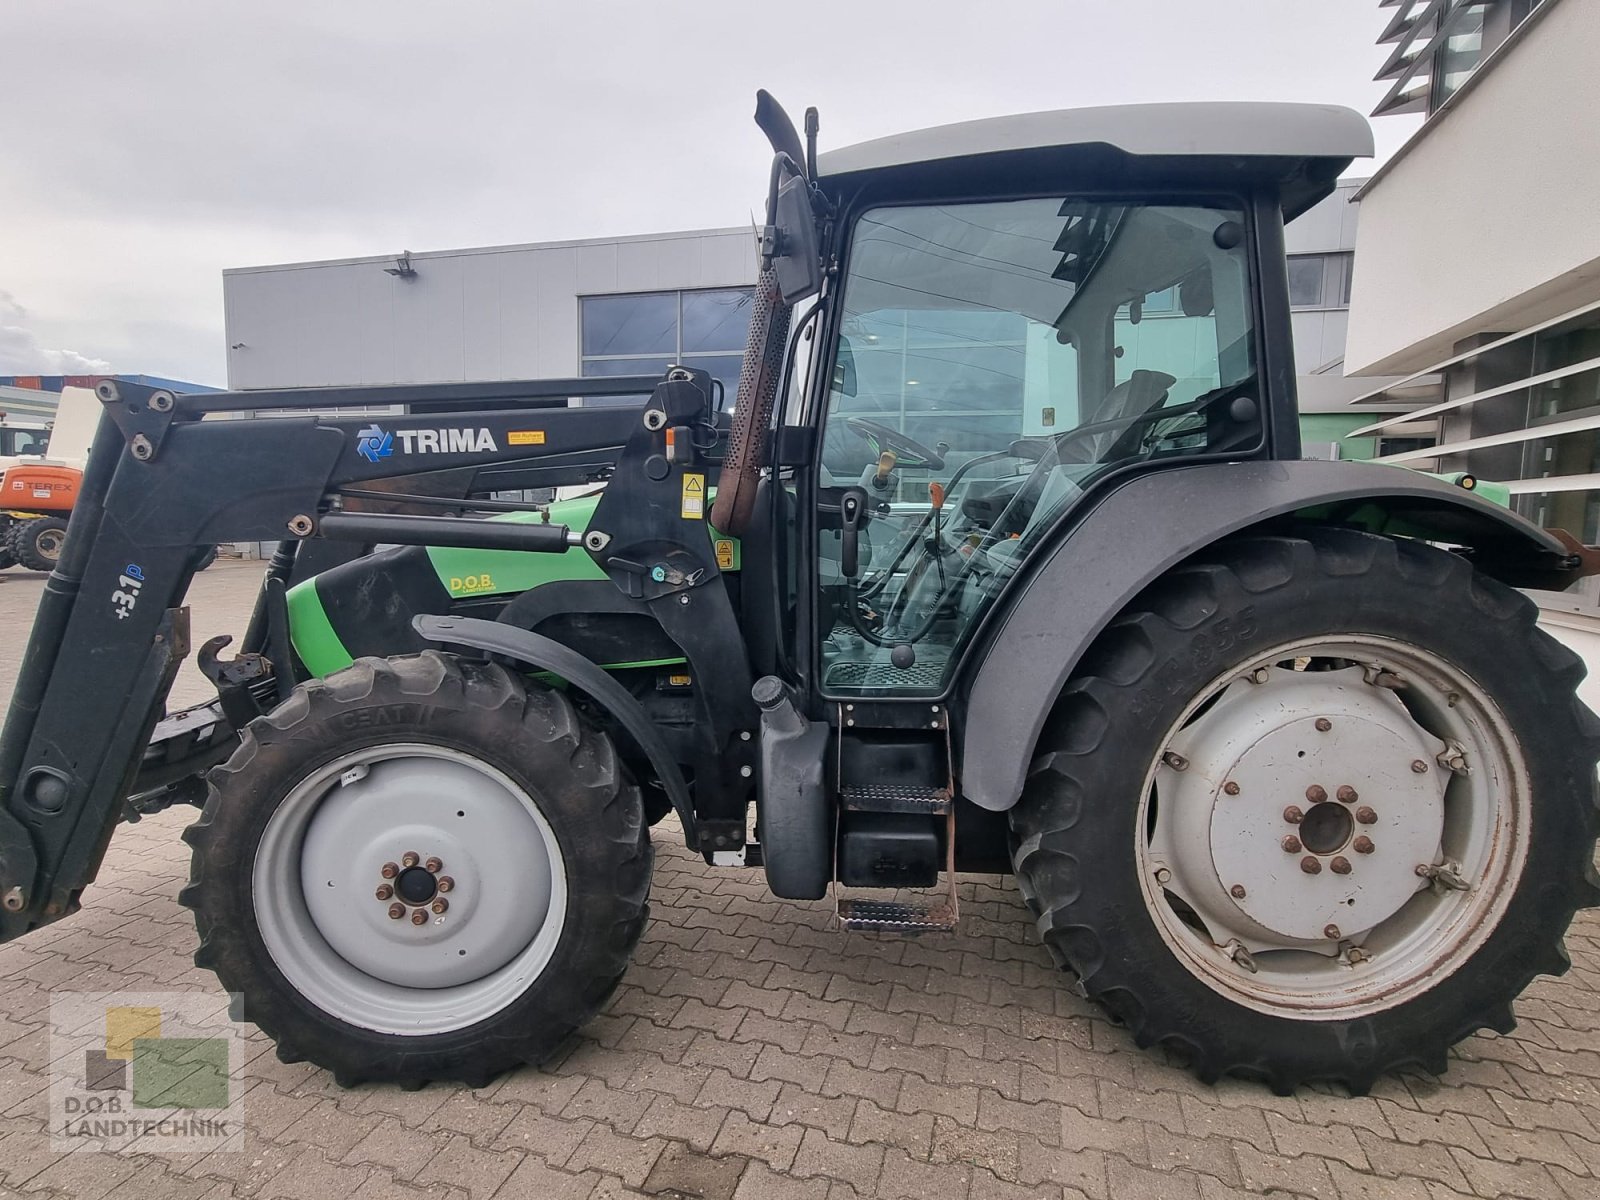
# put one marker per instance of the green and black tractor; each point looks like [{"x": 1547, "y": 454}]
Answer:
[{"x": 1003, "y": 558}]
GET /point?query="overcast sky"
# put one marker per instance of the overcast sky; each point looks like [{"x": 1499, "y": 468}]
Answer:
[{"x": 145, "y": 145}]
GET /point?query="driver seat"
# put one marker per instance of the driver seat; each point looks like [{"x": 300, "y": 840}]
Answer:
[{"x": 1134, "y": 396}]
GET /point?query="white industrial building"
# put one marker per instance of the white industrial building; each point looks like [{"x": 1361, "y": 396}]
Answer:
[
  {"x": 631, "y": 305},
  {"x": 1478, "y": 296}
]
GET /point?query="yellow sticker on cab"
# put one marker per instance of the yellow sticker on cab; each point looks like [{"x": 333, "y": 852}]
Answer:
[
  {"x": 724, "y": 548},
  {"x": 525, "y": 437},
  {"x": 694, "y": 497}
]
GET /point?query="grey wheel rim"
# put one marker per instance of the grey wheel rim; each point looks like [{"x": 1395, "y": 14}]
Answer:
[
  {"x": 409, "y": 889},
  {"x": 48, "y": 544},
  {"x": 1334, "y": 828}
]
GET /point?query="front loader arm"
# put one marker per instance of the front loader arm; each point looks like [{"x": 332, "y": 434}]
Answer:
[{"x": 160, "y": 482}]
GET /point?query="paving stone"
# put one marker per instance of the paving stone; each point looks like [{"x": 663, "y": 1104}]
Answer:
[
  {"x": 911, "y": 1132},
  {"x": 774, "y": 1145},
  {"x": 904, "y": 1177},
  {"x": 604, "y": 1149},
  {"x": 551, "y": 1138},
  {"x": 859, "y": 1166},
  {"x": 995, "y": 1150},
  {"x": 683, "y": 1172},
  {"x": 760, "y": 1182},
  {"x": 534, "y": 1177},
  {"x": 754, "y": 1097},
  {"x": 461, "y": 1164},
  {"x": 668, "y": 1118}
]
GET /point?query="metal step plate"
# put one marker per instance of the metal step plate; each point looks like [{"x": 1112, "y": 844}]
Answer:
[
  {"x": 883, "y": 916},
  {"x": 895, "y": 798}
]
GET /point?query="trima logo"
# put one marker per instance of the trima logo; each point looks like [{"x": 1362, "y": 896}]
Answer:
[
  {"x": 150, "y": 1072},
  {"x": 374, "y": 443}
]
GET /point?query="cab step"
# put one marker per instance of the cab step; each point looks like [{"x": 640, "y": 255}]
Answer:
[
  {"x": 887, "y": 916},
  {"x": 895, "y": 798}
]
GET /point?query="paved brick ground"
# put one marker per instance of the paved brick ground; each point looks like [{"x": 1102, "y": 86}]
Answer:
[{"x": 755, "y": 1053}]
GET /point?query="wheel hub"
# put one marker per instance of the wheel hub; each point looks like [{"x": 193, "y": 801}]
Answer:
[
  {"x": 416, "y": 885},
  {"x": 1298, "y": 817}
]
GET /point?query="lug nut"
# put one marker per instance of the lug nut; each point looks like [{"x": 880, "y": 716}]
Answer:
[
  {"x": 1231, "y": 788},
  {"x": 418, "y": 917},
  {"x": 1237, "y": 891},
  {"x": 1419, "y": 767},
  {"x": 410, "y": 858},
  {"x": 1362, "y": 845},
  {"x": 1163, "y": 876},
  {"x": 1294, "y": 814},
  {"x": 439, "y": 904},
  {"x": 1366, "y": 816},
  {"x": 433, "y": 864},
  {"x": 384, "y": 891},
  {"x": 1311, "y": 865},
  {"x": 445, "y": 883},
  {"x": 1331, "y": 932},
  {"x": 396, "y": 911},
  {"x": 1340, "y": 865},
  {"x": 1346, "y": 794},
  {"x": 1316, "y": 793},
  {"x": 1290, "y": 844},
  {"x": 1323, "y": 724},
  {"x": 389, "y": 870}
]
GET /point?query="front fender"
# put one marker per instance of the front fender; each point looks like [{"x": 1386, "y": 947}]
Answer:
[{"x": 1150, "y": 523}]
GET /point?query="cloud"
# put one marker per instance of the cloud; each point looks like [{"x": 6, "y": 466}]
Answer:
[{"x": 21, "y": 353}]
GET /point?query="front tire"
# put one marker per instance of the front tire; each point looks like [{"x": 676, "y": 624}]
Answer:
[
  {"x": 1314, "y": 807},
  {"x": 420, "y": 868},
  {"x": 36, "y": 543}
]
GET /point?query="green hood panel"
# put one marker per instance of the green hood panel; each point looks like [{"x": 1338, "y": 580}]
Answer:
[
  {"x": 494, "y": 572},
  {"x": 464, "y": 574}
]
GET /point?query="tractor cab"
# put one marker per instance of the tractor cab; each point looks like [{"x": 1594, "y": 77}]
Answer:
[
  {"x": 1013, "y": 313},
  {"x": 1002, "y": 319}
]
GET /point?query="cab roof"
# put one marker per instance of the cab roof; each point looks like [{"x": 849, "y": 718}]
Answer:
[{"x": 1324, "y": 135}]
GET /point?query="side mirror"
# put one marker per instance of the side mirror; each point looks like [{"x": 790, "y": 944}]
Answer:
[{"x": 791, "y": 240}]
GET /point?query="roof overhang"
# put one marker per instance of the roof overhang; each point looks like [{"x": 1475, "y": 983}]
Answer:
[{"x": 1303, "y": 141}]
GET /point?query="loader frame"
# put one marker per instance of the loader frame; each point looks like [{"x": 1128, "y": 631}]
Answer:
[{"x": 163, "y": 482}]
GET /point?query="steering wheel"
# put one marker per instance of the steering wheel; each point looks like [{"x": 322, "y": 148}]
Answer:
[{"x": 908, "y": 451}]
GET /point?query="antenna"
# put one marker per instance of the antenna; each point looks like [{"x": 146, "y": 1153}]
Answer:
[{"x": 811, "y": 143}]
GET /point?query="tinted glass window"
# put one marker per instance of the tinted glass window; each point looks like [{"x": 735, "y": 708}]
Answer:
[
  {"x": 631, "y": 324},
  {"x": 644, "y": 334},
  {"x": 715, "y": 320},
  {"x": 1305, "y": 280}
]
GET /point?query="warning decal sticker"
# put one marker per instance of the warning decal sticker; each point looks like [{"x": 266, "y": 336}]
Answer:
[{"x": 694, "y": 497}]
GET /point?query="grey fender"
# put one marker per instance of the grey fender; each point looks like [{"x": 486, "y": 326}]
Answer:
[
  {"x": 547, "y": 654},
  {"x": 1150, "y": 523}
]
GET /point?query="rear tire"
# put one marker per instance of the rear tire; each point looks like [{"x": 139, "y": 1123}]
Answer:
[
  {"x": 539, "y": 833},
  {"x": 1150, "y": 938},
  {"x": 37, "y": 543}
]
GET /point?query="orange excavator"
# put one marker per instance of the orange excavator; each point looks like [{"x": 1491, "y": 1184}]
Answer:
[
  {"x": 38, "y": 497},
  {"x": 40, "y": 483}
]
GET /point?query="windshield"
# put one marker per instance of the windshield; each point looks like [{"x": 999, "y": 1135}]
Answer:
[{"x": 993, "y": 359}]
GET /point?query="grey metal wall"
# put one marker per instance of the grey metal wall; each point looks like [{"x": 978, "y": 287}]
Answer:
[{"x": 503, "y": 312}]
